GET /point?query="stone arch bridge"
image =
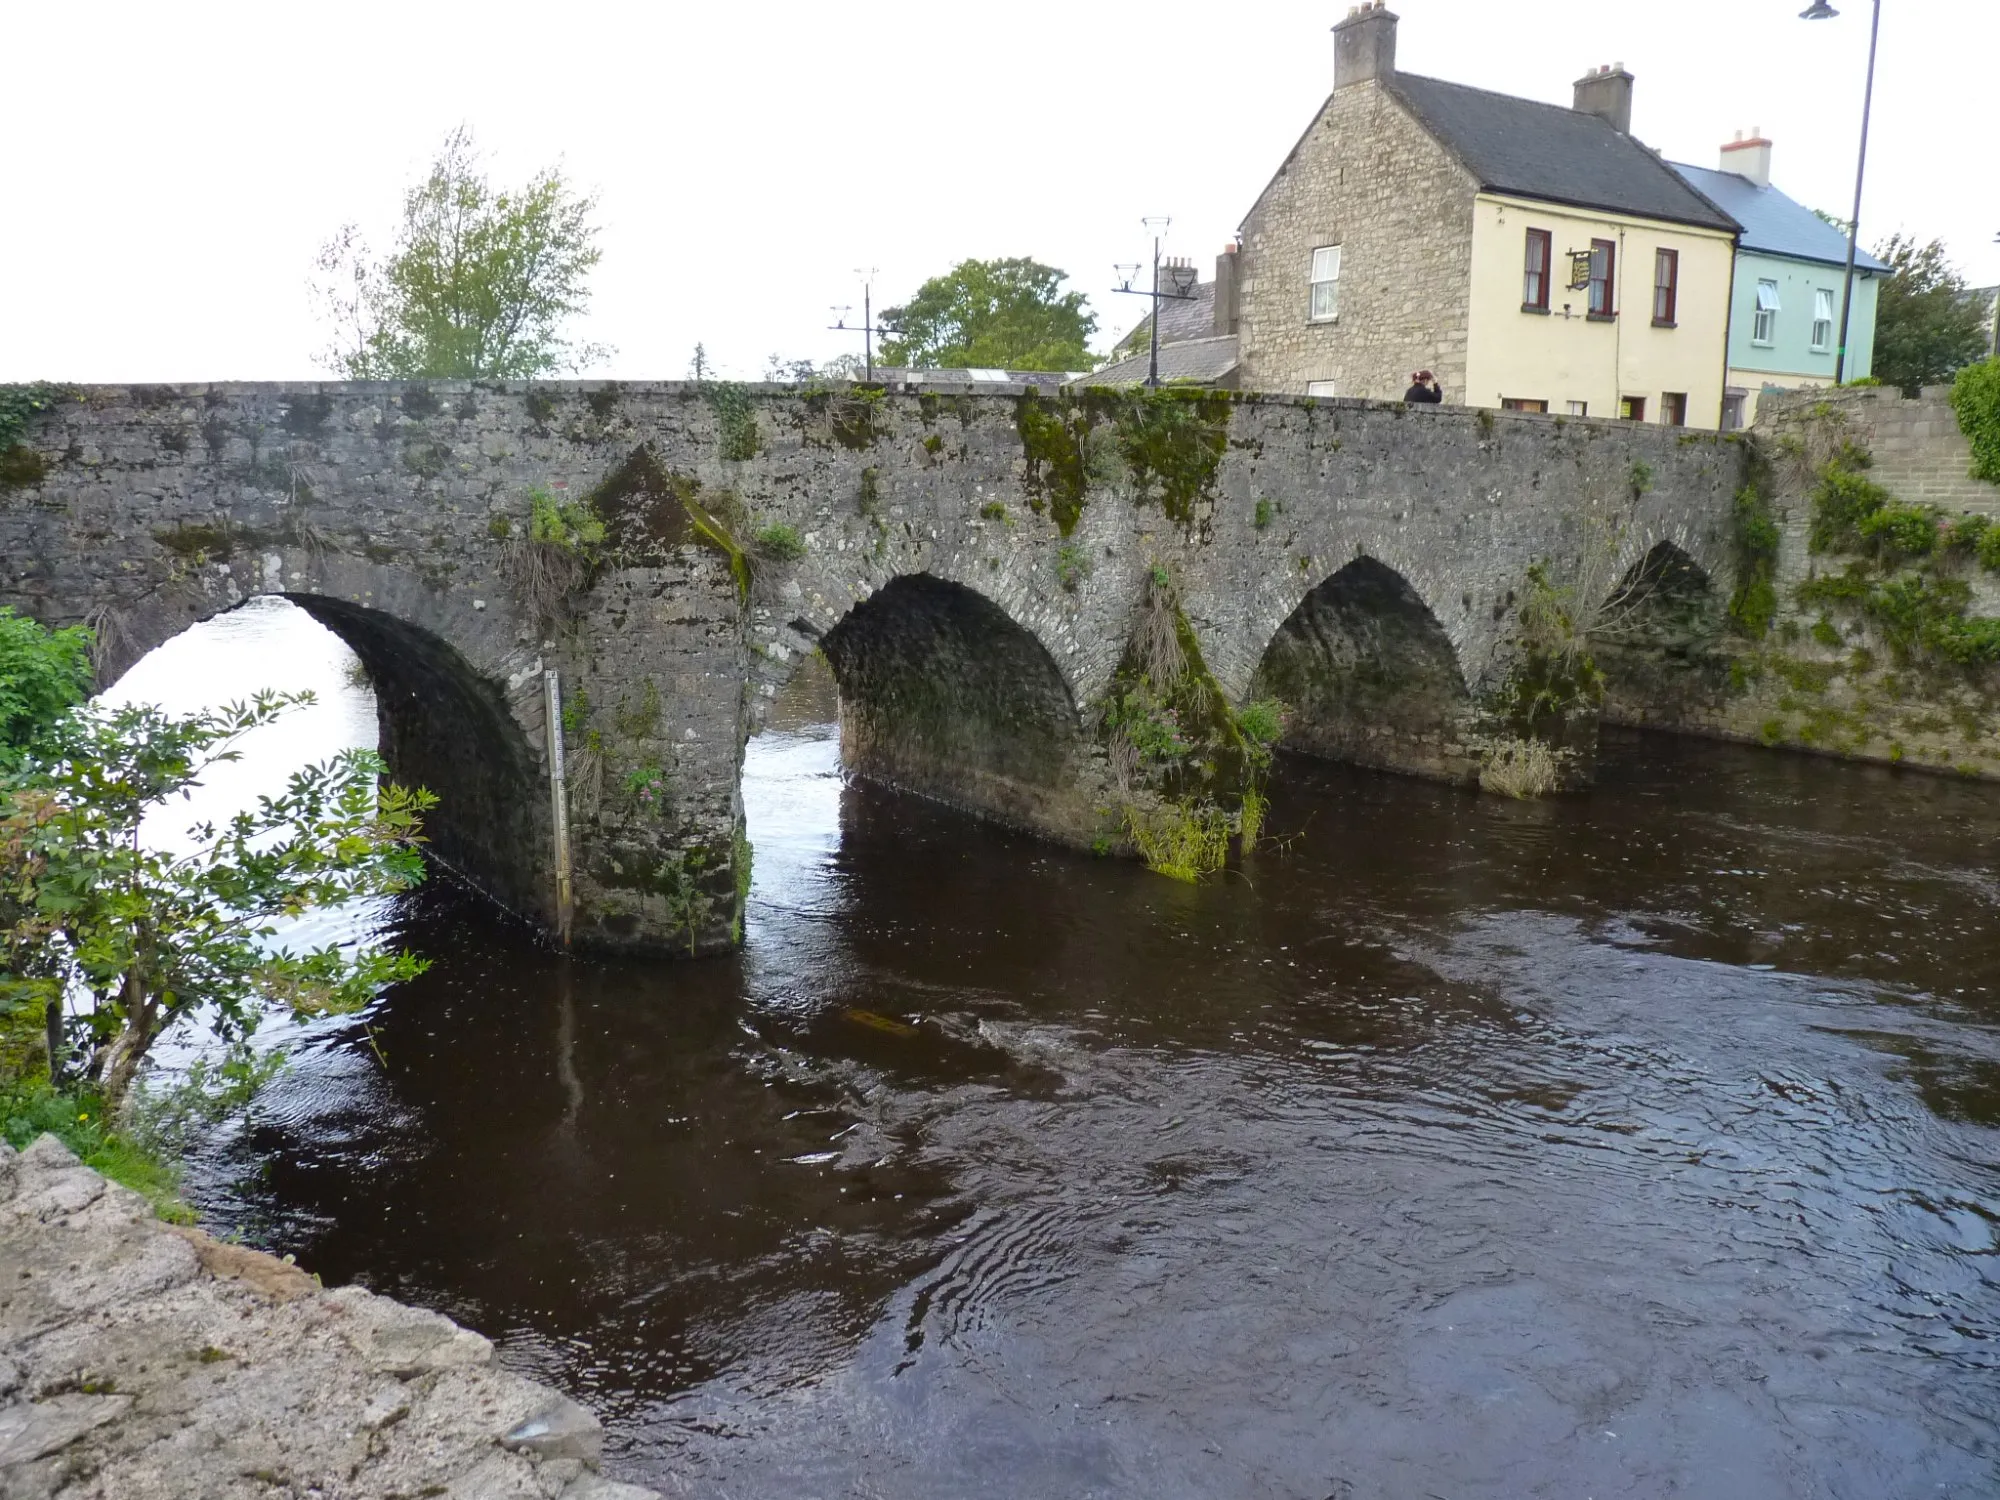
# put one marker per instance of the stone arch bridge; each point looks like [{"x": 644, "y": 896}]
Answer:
[{"x": 971, "y": 563}]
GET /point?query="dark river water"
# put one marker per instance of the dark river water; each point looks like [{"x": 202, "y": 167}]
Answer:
[{"x": 1638, "y": 1143}]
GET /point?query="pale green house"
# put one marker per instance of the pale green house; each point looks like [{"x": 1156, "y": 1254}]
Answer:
[{"x": 1784, "y": 314}]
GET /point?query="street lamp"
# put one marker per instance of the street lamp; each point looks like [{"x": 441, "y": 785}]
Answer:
[
  {"x": 1180, "y": 278},
  {"x": 1819, "y": 10}
]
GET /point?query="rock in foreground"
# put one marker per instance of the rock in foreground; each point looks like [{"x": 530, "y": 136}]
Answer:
[{"x": 139, "y": 1361}]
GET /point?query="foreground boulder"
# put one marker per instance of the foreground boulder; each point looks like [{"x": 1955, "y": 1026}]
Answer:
[{"x": 141, "y": 1361}]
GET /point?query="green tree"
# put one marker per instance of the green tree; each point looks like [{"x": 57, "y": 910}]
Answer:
[
  {"x": 1926, "y": 323},
  {"x": 42, "y": 673},
  {"x": 992, "y": 314},
  {"x": 130, "y": 938},
  {"x": 478, "y": 287}
]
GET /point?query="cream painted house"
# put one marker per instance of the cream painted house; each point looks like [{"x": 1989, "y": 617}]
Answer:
[{"x": 1534, "y": 257}]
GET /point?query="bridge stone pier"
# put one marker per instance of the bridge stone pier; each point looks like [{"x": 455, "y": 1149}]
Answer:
[{"x": 971, "y": 564}]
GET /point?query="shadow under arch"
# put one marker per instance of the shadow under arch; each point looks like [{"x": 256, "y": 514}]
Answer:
[
  {"x": 944, "y": 694},
  {"x": 1656, "y": 637},
  {"x": 1370, "y": 677},
  {"x": 446, "y": 726}
]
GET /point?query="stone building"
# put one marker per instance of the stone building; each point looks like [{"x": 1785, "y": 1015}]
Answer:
[{"x": 1535, "y": 257}]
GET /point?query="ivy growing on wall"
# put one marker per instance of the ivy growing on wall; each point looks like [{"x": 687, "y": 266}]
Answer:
[{"x": 1975, "y": 396}]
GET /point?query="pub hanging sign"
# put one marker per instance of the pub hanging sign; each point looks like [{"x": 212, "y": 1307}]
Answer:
[{"x": 1579, "y": 269}]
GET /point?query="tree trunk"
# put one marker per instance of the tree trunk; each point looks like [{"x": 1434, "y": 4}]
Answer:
[{"x": 128, "y": 1048}]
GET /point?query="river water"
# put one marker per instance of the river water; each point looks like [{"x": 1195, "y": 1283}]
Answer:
[{"x": 1637, "y": 1143}]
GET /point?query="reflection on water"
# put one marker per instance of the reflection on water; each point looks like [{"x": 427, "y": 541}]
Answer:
[{"x": 1633, "y": 1144}]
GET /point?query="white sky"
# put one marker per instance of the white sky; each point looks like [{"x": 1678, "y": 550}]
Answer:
[{"x": 172, "y": 169}]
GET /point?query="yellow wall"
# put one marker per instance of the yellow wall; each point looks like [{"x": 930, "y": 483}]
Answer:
[{"x": 1558, "y": 359}]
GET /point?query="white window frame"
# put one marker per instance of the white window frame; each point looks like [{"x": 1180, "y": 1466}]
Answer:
[
  {"x": 1323, "y": 305},
  {"x": 1322, "y": 388},
  {"x": 1764, "y": 326},
  {"x": 1579, "y": 408},
  {"x": 1822, "y": 328}
]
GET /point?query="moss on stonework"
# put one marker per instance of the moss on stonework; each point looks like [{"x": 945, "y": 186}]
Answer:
[
  {"x": 650, "y": 510},
  {"x": 1055, "y": 439},
  {"x": 209, "y": 543},
  {"x": 21, "y": 465},
  {"x": 1172, "y": 442}
]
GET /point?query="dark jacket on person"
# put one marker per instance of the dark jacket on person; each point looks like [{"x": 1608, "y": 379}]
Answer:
[{"x": 1429, "y": 394}]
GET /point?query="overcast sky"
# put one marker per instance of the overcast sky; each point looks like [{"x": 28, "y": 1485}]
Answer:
[{"x": 172, "y": 169}]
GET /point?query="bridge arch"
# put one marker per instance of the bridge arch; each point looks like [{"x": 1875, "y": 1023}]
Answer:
[
  {"x": 1371, "y": 676},
  {"x": 945, "y": 694},
  {"x": 443, "y": 722},
  {"x": 1655, "y": 635}
]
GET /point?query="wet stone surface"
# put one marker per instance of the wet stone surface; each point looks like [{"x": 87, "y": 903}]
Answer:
[{"x": 1639, "y": 1142}]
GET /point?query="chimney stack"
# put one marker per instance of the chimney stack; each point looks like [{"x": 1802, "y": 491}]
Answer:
[
  {"x": 1607, "y": 93},
  {"x": 1750, "y": 158},
  {"x": 1226, "y": 289},
  {"x": 1364, "y": 45}
]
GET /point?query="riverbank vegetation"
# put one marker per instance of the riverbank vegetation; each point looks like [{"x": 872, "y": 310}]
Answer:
[{"x": 110, "y": 936}]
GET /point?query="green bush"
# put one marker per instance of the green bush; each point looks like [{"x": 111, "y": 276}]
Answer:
[
  {"x": 42, "y": 673},
  {"x": 1899, "y": 530},
  {"x": 1975, "y": 396},
  {"x": 1842, "y": 502}
]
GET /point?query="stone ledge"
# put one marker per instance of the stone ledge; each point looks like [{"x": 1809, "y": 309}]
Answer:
[{"x": 140, "y": 1361}]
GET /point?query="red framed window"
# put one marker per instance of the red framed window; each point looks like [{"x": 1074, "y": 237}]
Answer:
[
  {"x": 1666, "y": 285},
  {"x": 1535, "y": 271},
  {"x": 1603, "y": 273}
]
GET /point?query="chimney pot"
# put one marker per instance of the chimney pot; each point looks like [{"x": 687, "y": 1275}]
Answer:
[
  {"x": 1606, "y": 93},
  {"x": 1364, "y": 45},
  {"x": 1749, "y": 157}
]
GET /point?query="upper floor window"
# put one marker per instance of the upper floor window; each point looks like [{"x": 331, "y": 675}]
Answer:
[
  {"x": 1666, "y": 285},
  {"x": 1764, "y": 327},
  {"x": 1822, "y": 318},
  {"x": 1326, "y": 284},
  {"x": 1535, "y": 271},
  {"x": 1603, "y": 268}
]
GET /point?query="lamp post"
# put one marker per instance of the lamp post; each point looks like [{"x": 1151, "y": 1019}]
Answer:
[
  {"x": 1181, "y": 278},
  {"x": 1819, "y": 10}
]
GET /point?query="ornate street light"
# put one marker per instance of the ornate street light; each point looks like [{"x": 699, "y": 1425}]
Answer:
[
  {"x": 1181, "y": 281},
  {"x": 1819, "y": 10}
]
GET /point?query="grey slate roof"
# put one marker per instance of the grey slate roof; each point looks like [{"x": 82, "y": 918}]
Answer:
[
  {"x": 1546, "y": 151},
  {"x": 1773, "y": 223},
  {"x": 1203, "y": 361},
  {"x": 1192, "y": 319}
]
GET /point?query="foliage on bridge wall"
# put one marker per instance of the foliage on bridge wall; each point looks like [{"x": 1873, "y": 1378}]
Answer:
[
  {"x": 20, "y": 406},
  {"x": 1188, "y": 767}
]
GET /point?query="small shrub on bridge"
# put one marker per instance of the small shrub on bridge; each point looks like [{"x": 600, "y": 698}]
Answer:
[{"x": 780, "y": 542}]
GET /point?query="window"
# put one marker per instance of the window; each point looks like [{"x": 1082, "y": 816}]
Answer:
[
  {"x": 1322, "y": 388},
  {"x": 1733, "y": 403},
  {"x": 1603, "y": 266},
  {"x": 1522, "y": 403},
  {"x": 1579, "y": 408},
  {"x": 1535, "y": 272},
  {"x": 1822, "y": 317},
  {"x": 1673, "y": 409},
  {"x": 1326, "y": 284},
  {"x": 1764, "y": 328},
  {"x": 1666, "y": 286},
  {"x": 1632, "y": 408}
]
